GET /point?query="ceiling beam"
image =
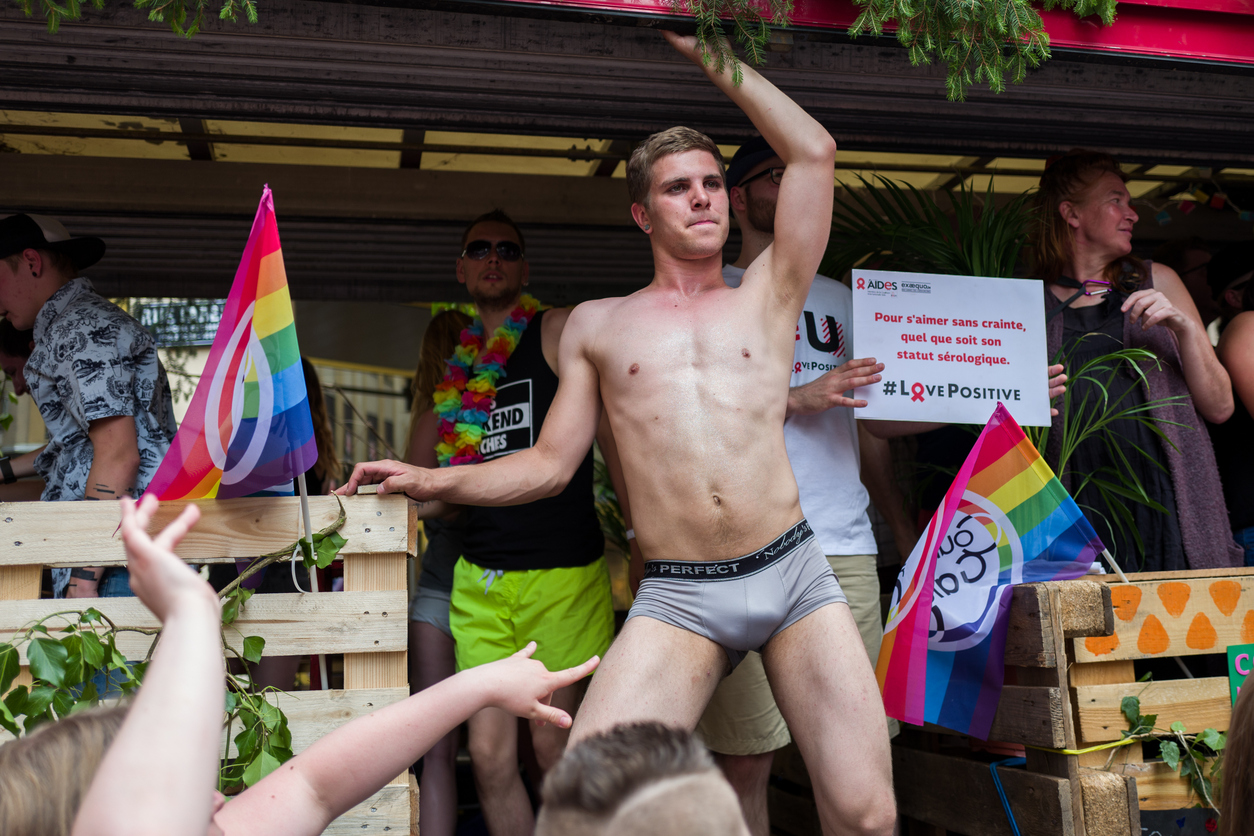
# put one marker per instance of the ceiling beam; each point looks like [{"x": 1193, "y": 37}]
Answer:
[{"x": 351, "y": 64}]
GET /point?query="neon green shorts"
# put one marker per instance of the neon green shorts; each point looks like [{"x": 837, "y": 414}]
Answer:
[{"x": 566, "y": 612}]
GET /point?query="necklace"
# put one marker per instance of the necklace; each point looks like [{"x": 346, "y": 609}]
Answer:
[{"x": 466, "y": 396}]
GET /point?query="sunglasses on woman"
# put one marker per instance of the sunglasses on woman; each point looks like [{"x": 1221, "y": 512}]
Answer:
[{"x": 480, "y": 249}]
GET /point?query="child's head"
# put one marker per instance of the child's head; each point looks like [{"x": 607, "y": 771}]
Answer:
[{"x": 44, "y": 776}]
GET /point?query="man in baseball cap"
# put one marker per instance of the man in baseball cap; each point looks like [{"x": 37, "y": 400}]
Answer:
[{"x": 93, "y": 372}]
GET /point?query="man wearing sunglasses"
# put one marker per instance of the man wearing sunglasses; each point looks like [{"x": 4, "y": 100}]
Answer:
[
  {"x": 529, "y": 571},
  {"x": 694, "y": 377}
]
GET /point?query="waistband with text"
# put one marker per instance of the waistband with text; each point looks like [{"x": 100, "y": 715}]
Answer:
[{"x": 737, "y": 567}]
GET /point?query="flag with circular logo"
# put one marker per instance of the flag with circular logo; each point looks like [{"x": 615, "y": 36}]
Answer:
[
  {"x": 1006, "y": 519},
  {"x": 248, "y": 427}
]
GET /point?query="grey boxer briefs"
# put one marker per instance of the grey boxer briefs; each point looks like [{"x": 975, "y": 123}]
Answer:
[{"x": 740, "y": 604}]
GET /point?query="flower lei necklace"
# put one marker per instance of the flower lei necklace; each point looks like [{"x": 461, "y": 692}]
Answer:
[{"x": 467, "y": 395}]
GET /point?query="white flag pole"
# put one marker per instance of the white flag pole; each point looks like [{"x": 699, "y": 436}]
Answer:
[
  {"x": 313, "y": 570},
  {"x": 1109, "y": 559}
]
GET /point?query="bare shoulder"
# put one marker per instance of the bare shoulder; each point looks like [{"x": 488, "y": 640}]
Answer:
[
  {"x": 1165, "y": 278},
  {"x": 553, "y": 324},
  {"x": 1238, "y": 335}
]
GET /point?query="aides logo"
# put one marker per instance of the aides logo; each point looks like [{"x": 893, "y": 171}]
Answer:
[{"x": 876, "y": 287}]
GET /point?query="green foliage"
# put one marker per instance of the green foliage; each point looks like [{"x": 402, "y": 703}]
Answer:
[
  {"x": 896, "y": 228},
  {"x": 1187, "y": 754},
  {"x": 982, "y": 41},
  {"x": 748, "y": 24},
  {"x": 185, "y": 17},
  {"x": 66, "y": 651},
  {"x": 1096, "y": 416}
]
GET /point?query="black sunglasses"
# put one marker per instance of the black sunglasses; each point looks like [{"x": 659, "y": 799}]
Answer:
[
  {"x": 479, "y": 250},
  {"x": 776, "y": 175}
]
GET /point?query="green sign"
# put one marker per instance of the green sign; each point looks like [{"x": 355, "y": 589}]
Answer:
[{"x": 1240, "y": 665}]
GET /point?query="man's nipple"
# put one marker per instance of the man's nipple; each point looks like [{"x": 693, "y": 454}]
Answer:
[
  {"x": 635, "y": 367},
  {"x": 744, "y": 352}
]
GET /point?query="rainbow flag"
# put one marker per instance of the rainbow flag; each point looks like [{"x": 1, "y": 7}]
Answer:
[
  {"x": 1006, "y": 519},
  {"x": 248, "y": 427}
]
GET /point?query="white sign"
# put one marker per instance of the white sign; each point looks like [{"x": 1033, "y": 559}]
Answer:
[{"x": 952, "y": 347}]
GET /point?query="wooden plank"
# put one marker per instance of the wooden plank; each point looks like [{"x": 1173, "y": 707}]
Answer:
[
  {"x": 1086, "y": 608},
  {"x": 1049, "y": 601},
  {"x": 1025, "y": 714},
  {"x": 371, "y": 623},
  {"x": 1106, "y": 673},
  {"x": 83, "y": 533},
  {"x": 1158, "y": 786},
  {"x": 1198, "y": 703},
  {"x": 387, "y": 811},
  {"x": 1183, "y": 615},
  {"x": 19, "y": 583},
  {"x": 958, "y": 794},
  {"x": 1138, "y": 577},
  {"x": 314, "y": 714},
  {"x": 1105, "y": 804},
  {"x": 376, "y": 572},
  {"x": 1029, "y": 637}
]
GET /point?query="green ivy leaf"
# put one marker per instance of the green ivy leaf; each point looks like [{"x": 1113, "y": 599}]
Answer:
[
  {"x": 15, "y": 700},
  {"x": 261, "y": 766},
  {"x": 1213, "y": 739},
  {"x": 38, "y": 700},
  {"x": 1178, "y": 727},
  {"x": 89, "y": 696},
  {"x": 231, "y": 701},
  {"x": 1170, "y": 753},
  {"x": 271, "y": 716},
  {"x": 1131, "y": 708},
  {"x": 93, "y": 650},
  {"x": 246, "y": 743},
  {"x": 328, "y": 548},
  {"x": 47, "y": 661},
  {"x": 7, "y": 721},
  {"x": 253, "y": 645},
  {"x": 10, "y": 666},
  {"x": 91, "y": 615},
  {"x": 62, "y": 702}
]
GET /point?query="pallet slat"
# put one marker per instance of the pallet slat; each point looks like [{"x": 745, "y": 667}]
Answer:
[
  {"x": 1189, "y": 614},
  {"x": 387, "y": 811},
  {"x": 83, "y": 533},
  {"x": 291, "y": 623},
  {"x": 958, "y": 794},
  {"x": 314, "y": 714},
  {"x": 1198, "y": 703},
  {"x": 1026, "y": 714}
]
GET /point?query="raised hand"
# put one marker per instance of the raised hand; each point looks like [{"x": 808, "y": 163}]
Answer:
[
  {"x": 522, "y": 685},
  {"x": 158, "y": 577},
  {"x": 685, "y": 45},
  {"x": 828, "y": 391}
]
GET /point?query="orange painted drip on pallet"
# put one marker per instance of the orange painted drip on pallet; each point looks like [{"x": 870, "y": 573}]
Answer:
[
  {"x": 1226, "y": 595},
  {"x": 1125, "y": 600},
  {"x": 1202, "y": 634},
  {"x": 1153, "y": 639},
  {"x": 1101, "y": 645},
  {"x": 1175, "y": 597}
]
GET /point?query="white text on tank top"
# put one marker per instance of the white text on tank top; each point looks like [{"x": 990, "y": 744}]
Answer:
[{"x": 823, "y": 448}]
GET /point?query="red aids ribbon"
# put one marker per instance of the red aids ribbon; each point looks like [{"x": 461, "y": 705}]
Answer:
[{"x": 916, "y": 392}]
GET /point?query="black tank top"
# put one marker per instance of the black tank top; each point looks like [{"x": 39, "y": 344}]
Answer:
[
  {"x": 1234, "y": 451},
  {"x": 559, "y": 531}
]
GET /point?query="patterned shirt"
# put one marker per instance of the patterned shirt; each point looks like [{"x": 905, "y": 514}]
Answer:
[{"x": 91, "y": 360}]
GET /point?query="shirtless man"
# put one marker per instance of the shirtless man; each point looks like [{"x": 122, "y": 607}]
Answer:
[{"x": 694, "y": 378}]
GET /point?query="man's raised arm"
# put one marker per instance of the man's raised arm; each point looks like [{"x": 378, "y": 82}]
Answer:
[
  {"x": 803, "y": 213},
  {"x": 531, "y": 474}
]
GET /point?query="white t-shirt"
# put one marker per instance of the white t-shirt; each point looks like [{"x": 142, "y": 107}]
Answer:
[{"x": 823, "y": 448}]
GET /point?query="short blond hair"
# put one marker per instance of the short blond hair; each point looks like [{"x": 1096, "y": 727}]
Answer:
[
  {"x": 44, "y": 776},
  {"x": 675, "y": 140}
]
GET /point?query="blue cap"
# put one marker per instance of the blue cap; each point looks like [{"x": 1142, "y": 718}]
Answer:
[{"x": 754, "y": 152}]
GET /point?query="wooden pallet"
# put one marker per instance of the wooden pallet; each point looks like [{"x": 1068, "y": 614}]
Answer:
[
  {"x": 1070, "y": 650},
  {"x": 367, "y": 622}
]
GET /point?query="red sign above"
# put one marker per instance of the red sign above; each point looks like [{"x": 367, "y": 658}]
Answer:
[{"x": 1202, "y": 30}]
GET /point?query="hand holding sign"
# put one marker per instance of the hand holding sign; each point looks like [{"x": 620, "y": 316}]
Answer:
[{"x": 829, "y": 390}]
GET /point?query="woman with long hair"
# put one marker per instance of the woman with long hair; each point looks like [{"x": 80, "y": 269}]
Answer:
[
  {"x": 430, "y": 637},
  {"x": 150, "y": 769},
  {"x": 1099, "y": 298},
  {"x": 1233, "y": 279},
  {"x": 1236, "y": 792}
]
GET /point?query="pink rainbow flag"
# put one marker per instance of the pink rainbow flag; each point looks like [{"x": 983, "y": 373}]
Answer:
[
  {"x": 1006, "y": 519},
  {"x": 248, "y": 427}
]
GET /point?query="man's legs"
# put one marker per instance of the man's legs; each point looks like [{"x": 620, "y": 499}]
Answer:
[
  {"x": 548, "y": 740},
  {"x": 825, "y": 687},
  {"x": 860, "y": 582},
  {"x": 652, "y": 671},
  {"x": 743, "y": 728},
  {"x": 430, "y": 661},
  {"x": 494, "y": 755}
]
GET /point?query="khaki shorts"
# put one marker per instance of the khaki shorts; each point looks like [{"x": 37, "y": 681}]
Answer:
[{"x": 742, "y": 718}]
